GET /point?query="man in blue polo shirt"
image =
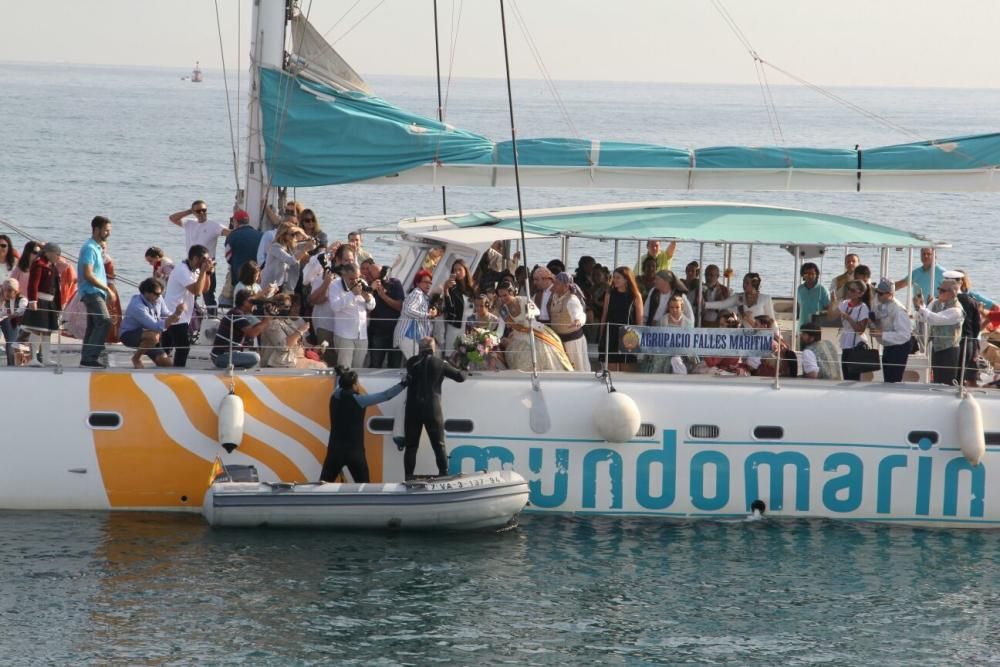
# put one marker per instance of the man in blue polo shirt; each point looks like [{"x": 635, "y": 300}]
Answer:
[
  {"x": 93, "y": 288},
  {"x": 921, "y": 276}
]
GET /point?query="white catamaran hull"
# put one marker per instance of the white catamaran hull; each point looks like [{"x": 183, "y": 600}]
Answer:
[
  {"x": 462, "y": 502},
  {"x": 708, "y": 447}
]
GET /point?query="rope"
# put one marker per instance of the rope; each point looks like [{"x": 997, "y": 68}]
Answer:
[
  {"x": 517, "y": 186},
  {"x": 31, "y": 237},
  {"x": 549, "y": 82},
  {"x": 760, "y": 62},
  {"x": 342, "y": 17},
  {"x": 359, "y": 22},
  {"x": 455, "y": 24},
  {"x": 229, "y": 110}
]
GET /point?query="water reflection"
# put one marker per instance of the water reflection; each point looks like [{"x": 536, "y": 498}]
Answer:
[{"x": 141, "y": 588}]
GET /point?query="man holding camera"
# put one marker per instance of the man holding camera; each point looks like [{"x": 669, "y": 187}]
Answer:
[
  {"x": 188, "y": 279},
  {"x": 388, "y": 293},
  {"x": 350, "y": 299}
]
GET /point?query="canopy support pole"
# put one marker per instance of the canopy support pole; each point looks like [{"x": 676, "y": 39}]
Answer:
[
  {"x": 796, "y": 281},
  {"x": 701, "y": 284},
  {"x": 615, "y": 263}
]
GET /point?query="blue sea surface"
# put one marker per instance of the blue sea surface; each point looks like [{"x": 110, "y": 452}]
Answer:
[
  {"x": 156, "y": 589},
  {"x": 139, "y": 144}
]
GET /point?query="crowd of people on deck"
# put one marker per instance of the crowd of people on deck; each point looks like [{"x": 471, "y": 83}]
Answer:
[{"x": 290, "y": 297}]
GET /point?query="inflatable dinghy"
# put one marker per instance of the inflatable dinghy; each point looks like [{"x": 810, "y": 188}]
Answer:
[{"x": 459, "y": 502}]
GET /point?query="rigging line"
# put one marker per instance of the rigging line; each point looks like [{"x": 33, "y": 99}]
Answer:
[
  {"x": 517, "y": 187},
  {"x": 741, "y": 36},
  {"x": 437, "y": 68},
  {"x": 455, "y": 25},
  {"x": 70, "y": 256},
  {"x": 546, "y": 75},
  {"x": 342, "y": 17},
  {"x": 769, "y": 106},
  {"x": 360, "y": 21},
  {"x": 847, "y": 103},
  {"x": 774, "y": 106},
  {"x": 229, "y": 110}
]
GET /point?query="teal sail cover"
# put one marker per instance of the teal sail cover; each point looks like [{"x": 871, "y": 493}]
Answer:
[{"x": 317, "y": 135}]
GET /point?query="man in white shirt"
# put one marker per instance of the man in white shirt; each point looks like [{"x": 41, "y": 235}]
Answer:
[
  {"x": 199, "y": 230},
  {"x": 350, "y": 299},
  {"x": 188, "y": 279}
]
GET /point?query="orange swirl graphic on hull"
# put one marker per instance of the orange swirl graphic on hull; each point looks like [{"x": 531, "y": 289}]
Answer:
[
  {"x": 143, "y": 466},
  {"x": 140, "y": 464},
  {"x": 204, "y": 418}
]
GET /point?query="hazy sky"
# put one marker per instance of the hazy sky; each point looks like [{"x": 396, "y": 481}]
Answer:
[{"x": 838, "y": 42}]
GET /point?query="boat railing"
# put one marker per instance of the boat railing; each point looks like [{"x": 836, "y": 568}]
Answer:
[{"x": 306, "y": 343}]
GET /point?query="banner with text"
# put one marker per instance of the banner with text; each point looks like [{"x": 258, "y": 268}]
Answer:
[{"x": 698, "y": 342}]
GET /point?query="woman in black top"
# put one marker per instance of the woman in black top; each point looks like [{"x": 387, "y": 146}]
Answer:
[
  {"x": 622, "y": 306},
  {"x": 459, "y": 291}
]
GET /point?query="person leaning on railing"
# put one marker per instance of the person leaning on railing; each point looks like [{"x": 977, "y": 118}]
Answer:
[
  {"x": 389, "y": 296},
  {"x": 894, "y": 329}
]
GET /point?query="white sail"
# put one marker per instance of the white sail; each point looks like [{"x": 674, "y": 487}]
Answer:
[{"x": 314, "y": 58}]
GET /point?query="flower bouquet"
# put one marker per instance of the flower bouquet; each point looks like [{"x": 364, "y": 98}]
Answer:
[{"x": 474, "y": 348}]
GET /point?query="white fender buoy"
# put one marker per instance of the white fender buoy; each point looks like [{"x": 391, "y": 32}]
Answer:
[
  {"x": 231, "y": 420},
  {"x": 616, "y": 417},
  {"x": 971, "y": 438}
]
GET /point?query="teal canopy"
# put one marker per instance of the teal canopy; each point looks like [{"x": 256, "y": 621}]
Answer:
[
  {"x": 315, "y": 135},
  {"x": 700, "y": 222}
]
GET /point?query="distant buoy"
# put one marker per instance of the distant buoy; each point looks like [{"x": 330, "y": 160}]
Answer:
[
  {"x": 617, "y": 417},
  {"x": 971, "y": 438},
  {"x": 231, "y": 420}
]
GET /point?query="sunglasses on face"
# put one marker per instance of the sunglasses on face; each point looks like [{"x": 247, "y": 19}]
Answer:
[
  {"x": 154, "y": 293},
  {"x": 4, "y": 245},
  {"x": 201, "y": 211}
]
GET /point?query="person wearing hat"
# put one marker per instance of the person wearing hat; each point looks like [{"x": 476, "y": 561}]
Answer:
[
  {"x": 945, "y": 316},
  {"x": 241, "y": 246},
  {"x": 44, "y": 301},
  {"x": 568, "y": 317},
  {"x": 893, "y": 328}
]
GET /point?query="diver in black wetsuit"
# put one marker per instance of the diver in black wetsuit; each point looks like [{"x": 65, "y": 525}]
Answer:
[
  {"x": 425, "y": 372},
  {"x": 346, "y": 446}
]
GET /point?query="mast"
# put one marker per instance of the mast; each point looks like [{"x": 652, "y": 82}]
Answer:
[
  {"x": 437, "y": 67},
  {"x": 267, "y": 49}
]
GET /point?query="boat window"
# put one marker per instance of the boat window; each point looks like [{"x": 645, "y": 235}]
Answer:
[
  {"x": 768, "y": 432},
  {"x": 914, "y": 437},
  {"x": 458, "y": 425},
  {"x": 104, "y": 420},
  {"x": 380, "y": 424},
  {"x": 993, "y": 438},
  {"x": 704, "y": 431},
  {"x": 646, "y": 431}
]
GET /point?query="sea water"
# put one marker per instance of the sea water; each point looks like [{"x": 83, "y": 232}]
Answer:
[{"x": 139, "y": 144}]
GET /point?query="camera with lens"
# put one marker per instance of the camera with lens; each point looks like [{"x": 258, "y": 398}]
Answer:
[{"x": 365, "y": 287}]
